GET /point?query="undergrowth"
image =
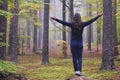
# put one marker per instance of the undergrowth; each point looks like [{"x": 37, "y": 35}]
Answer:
[{"x": 7, "y": 66}]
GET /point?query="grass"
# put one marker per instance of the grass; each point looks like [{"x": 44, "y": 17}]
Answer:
[
  {"x": 61, "y": 68},
  {"x": 50, "y": 73},
  {"x": 57, "y": 69}
]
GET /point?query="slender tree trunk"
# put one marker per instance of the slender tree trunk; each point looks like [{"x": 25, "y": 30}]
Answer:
[
  {"x": 40, "y": 38},
  {"x": 28, "y": 34},
  {"x": 71, "y": 8},
  {"x": 35, "y": 33},
  {"x": 40, "y": 30},
  {"x": 3, "y": 27},
  {"x": 45, "y": 53},
  {"x": 22, "y": 43},
  {"x": 99, "y": 24},
  {"x": 64, "y": 33},
  {"x": 97, "y": 28},
  {"x": 89, "y": 29},
  {"x": 99, "y": 32},
  {"x": 71, "y": 13},
  {"x": 115, "y": 29},
  {"x": 14, "y": 33},
  {"x": 108, "y": 41},
  {"x": 55, "y": 32}
]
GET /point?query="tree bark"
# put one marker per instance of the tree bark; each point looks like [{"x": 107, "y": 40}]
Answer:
[
  {"x": 40, "y": 31},
  {"x": 64, "y": 33},
  {"x": 3, "y": 27},
  {"x": 89, "y": 31},
  {"x": 28, "y": 34},
  {"x": 13, "y": 48},
  {"x": 97, "y": 27},
  {"x": 45, "y": 53},
  {"x": 108, "y": 41},
  {"x": 35, "y": 32}
]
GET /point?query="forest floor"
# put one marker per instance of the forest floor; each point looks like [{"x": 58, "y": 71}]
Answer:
[{"x": 60, "y": 68}]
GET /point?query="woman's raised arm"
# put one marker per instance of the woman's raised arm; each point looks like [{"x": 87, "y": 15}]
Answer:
[
  {"x": 91, "y": 20},
  {"x": 62, "y": 22}
]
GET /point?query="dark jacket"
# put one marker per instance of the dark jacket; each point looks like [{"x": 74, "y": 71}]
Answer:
[{"x": 76, "y": 39}]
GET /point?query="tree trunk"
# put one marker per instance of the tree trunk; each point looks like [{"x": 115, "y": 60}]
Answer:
[
  {"x": 89, "y": 31},
  {"x": 114, "y": 28},
  {"x": 22, "y": 43},
  {"x": 40, "y": 38},
  {"x": 64, "y": 33},
  {"x": 108, "y": 41},
  {"x": 13, "y": 48},
  {"x": 3, "y": 27},
  {"x": 71, "y": 9},
  {"x": 40, "y": 30},
  {"x": 98, "y": 28},
  {"x": 35, "y": 32},
  {"x": 45, "y": 53},
  {"x": 28, "y": 34}
]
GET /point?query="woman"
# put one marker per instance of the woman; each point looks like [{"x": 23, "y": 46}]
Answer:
[{"x": 76, "y": 45}]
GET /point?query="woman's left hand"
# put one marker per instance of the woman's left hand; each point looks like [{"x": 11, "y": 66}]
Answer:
[{"x": 53, "y": 18}]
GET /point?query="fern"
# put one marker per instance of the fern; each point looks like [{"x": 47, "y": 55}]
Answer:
[{"x": 7, "y": 66}]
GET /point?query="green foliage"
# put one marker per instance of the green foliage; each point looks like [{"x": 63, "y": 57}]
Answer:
[
  {"x": 1, "y": 43},
  {"x": 1, "y": 34},
  {"x": 118, "y": 28},
  {"x": 10, "y": 5},
  {"x": 27, "y": 9},
  {"x": 37, "y": 24},
  {"x": 118, "y": 8},
  {"x": 1, "y": 1},
  {"x": 118, "y": 13},
  {"x": 5, "y": 13},
  {"x": 11, "y": 1},
  {"x": 30, "y": 5},
  {"x": 7, "y": 66}
]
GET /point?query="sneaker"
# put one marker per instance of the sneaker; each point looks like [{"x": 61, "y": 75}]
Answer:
[{"x": 78, "y": 73}]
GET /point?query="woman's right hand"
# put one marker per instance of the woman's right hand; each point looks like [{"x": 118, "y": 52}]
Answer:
[
  {"x": 100, "y": 14},
  {"x": 53, "y": 18}
]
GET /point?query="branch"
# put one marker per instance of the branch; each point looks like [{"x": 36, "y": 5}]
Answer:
[{"x": 66, "y": 5}]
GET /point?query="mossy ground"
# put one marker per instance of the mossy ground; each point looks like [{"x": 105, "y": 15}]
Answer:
[{"x": 59, "y": 68}]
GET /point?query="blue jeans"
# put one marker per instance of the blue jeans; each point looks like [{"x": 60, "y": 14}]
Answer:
[{"x": 77, "y": 57}]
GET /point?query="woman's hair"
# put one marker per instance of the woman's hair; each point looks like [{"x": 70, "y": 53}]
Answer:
[{"x": 77, "y": 23}]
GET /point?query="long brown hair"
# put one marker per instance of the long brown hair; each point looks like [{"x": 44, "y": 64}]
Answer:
[{"x": 76, "y": 23}]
